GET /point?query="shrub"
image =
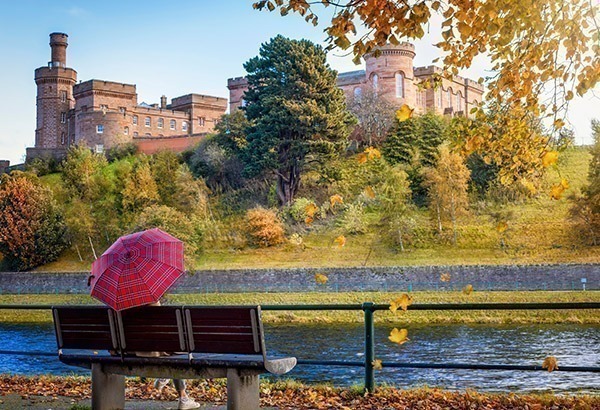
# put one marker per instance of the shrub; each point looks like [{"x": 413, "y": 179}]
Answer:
[
  {"x": 297, "y": 210},
  {"x": 353, "y": 220},
  {"x": 264, "y": 227}
]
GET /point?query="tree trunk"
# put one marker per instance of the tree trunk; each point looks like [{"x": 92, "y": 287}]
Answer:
[
  {"x": 439, "y": 217},
  {"x": 288, "y": 181}
]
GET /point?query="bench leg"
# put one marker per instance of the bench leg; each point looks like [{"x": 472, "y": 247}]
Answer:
[
  {"x": 242, "y": 391},
  {"x": 108, "y": 390}
]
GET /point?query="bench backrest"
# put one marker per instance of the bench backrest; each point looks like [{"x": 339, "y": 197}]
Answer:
[
  {"x": 85, "y": 327},
  {"x": 151, "y": 328},
  {"x": 229, "y": 329}
]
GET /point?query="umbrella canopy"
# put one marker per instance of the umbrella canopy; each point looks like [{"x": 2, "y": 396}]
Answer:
[{"x": 137, "y": 269}]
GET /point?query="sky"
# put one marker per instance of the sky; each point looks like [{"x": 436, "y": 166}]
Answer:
[{"x": 170, "y": 48}]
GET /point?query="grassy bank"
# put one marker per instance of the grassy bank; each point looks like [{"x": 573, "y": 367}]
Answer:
[
  {"x": 293, "y": 395},
  {"x": 404, "y": 318}
]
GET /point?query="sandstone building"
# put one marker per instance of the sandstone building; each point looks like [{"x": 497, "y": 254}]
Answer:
[
  {"x": 391, "y": 74},
  {"x": 101, "y": 114}
]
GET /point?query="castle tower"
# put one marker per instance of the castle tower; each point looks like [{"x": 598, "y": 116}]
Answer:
[
  {"x": 54, "y": 100},
  {"x": 390, "y": 72}
]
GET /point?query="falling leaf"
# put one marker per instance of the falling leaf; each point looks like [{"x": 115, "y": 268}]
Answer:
[
  {"x": 550, "y": 363},
  {"x": 549, "y": 158},
  {"x": 372, "y": 153},
  {"x": 340, "y": 241},
  {"x": 502, "y": 226},
  {"x": 564, "y": 183},
  {"x": 468, "y": 289},
  {"x": 336, "y": 199},
  {"x": 556, "y": 191},
  {"x": 361, "y": 158},
  {"x": 311, "y": 209},
  {"x": 404, "y": 113},
  {"x": 308, "y": 220},
  {"x": 445, "y": 277},
  {"x": 398, "y": 336},
  {"x": 376, "y": 364},
  {"x": 559, "y": 124},
  {"x": 321, "y": 279},
  {"x": 369, "y": 192},
  {"x": 403, "y": 302}
]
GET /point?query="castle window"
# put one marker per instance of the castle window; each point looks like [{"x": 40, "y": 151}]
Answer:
[
  {"x": 63, "y": 117},
  {"x": 201, "y": 121},
  {"x": 449, "y": 97},
  {"x": 103, "y": 107},
  {"x": 357, "y": 92},
  {"x": 184, "y": 126},
  {"x": 99, "y": 129},
  {"x": 122, "y": 110},
  {"x": 399, "y": 85},
  {"x": 99, "y": 148},
  {"x": 375, "y": 81},
  {"x": 161, "y": 122},
  {"x": 62, "y": 138},
  {"x": 63, "y": 96},
  {"x": 147, "y": 122},
  {"x": 135, "y": 120},
  {"x": 148, "y": 134},
  {"x": 135, "y": 134},
  {"x": 439, "y": 98},
  {"x": 126, "y": 131},
  {"x": 172, "y": 124}
]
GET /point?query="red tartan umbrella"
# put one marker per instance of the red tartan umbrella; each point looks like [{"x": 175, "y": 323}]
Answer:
[{"x": 137, "y": 269}]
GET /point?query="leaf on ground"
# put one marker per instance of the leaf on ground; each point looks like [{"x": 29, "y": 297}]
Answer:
[
  {"x": 550, "y": 363},
  {"x": 398, "y": 336},
  {"x": 321, "y": 279},
  {"x": 445, "y": 277},
  {"x": 340, "y": 241},
  {"x": 467, "y": 290}
]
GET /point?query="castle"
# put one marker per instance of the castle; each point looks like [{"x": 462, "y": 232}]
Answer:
[
  {"x": 391, "y": 75},
  {"x": 101, "y": 114}
]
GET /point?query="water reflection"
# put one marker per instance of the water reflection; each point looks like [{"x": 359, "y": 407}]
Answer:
[{"x": 573, "y": 345}]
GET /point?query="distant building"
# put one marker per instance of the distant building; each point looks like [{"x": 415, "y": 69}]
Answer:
[
  {"x": 391, "y": 74},
  {"x": 101, "y": 114},
  {"x": 4, "y": 164}
]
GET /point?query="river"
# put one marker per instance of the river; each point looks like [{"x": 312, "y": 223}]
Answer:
[{"x": 571, "y": 344}]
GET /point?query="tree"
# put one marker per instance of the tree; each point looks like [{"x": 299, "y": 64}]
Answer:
[
  {"x": 375, "y": 115},
  {"x": 140, "y": 189},
  {"x": 537, "y": 47},
  {"x": 296, "y": 110},
  {"x": 586, "y": 208},
  {"x": 447, "y": 186},
  {"x": 32, "y": 230}
]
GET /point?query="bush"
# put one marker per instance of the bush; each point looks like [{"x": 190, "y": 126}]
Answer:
[
  {"x": 121, "y": 151},
  {"x": 264, "y": 227},
  {"x": 297, "y": 211},
  {"x": 353, "y": 220}
]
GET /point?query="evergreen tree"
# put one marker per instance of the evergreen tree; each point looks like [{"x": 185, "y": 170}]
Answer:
[{"x": 296, "y": 110}]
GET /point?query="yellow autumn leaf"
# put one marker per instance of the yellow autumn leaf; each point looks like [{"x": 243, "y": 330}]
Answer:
[
  {"x": 372, "y": 153},
  {"x": 549, "y": 158},
  {"x": 502, "y": 226},
  {"x": 550, "y": 363},
  {"x": 468, "y": 289},
  {"x": 404, "y": 113},
  {"x": 564, "y": 183},
  {"x": 402, "y": 302},
  {"x": 311, "y": 209},
  {"x": 308, "y": 220},
  {"x": 361, "y": 158},
  {"x": 559, "y": 124},
  {"x": 369, "y": 192},
  {"x": 376, "y": 364},
  {"x": 336, "y": 199},
  {"x": 340, "y": 241},
  {"x": 398, "y": 336},
  {"x": 445, "y": 277},
  {"x": 556, "y": 191},
  {"x": 321, "y": 279}
]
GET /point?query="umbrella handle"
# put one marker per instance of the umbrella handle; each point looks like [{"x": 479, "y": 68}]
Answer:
[{"x": 90, "y": 279}]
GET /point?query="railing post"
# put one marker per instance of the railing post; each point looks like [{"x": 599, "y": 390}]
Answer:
[{"x": 369, "y": 346}]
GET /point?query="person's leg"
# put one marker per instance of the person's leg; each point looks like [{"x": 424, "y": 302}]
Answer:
[
  {"x": 184, "y": 401},
  {"x": 180, "y": 387}
]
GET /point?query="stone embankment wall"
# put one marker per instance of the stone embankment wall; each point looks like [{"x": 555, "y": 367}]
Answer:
[{"x": 511, "y": 277}]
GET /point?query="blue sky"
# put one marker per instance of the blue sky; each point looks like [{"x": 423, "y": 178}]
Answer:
[{"x": 170, "y": 48}]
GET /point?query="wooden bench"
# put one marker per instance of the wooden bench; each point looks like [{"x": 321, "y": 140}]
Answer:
[{"x": 211, "y": 342}]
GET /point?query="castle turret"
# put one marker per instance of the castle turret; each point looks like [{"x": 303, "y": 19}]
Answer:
[
  {"x": 390, "y": 72},
  {"x": 54, "y": 101}
]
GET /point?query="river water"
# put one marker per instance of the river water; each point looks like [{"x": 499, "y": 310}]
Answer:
[{"x": 571, "y": 344}]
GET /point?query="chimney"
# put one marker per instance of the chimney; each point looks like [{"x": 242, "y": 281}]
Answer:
[{"x": 163, "y": 102}]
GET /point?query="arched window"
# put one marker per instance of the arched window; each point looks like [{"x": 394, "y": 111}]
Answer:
[
  {"x": 399, "y": 85},
  {"x": 126, "y": 131},
  {"x": 161, "y": 122},
  {"x": 375, "y": 81},
  {"x": 449, "y": 97},
  {"x": 357, "y": 92}
]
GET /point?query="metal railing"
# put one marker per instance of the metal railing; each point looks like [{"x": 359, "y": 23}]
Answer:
[{"x": 369, "y": 309}]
